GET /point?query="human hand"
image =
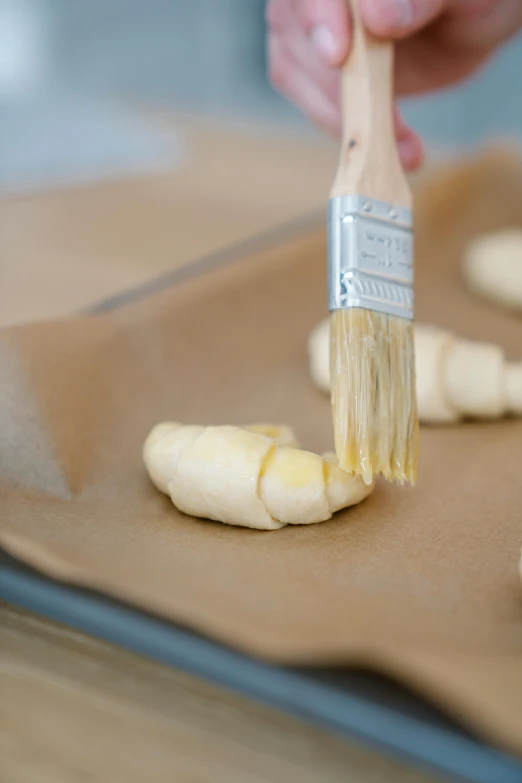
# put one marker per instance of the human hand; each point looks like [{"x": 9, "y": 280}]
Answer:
[{"x": 439, "y": 42}]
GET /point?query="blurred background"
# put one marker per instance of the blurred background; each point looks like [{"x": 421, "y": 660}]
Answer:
[{"x": 75, "y": 76}]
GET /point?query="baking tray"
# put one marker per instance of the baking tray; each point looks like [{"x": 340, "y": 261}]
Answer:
[
  {"x": 354, "y": 704},
  {"x": 351, "y": 703}
]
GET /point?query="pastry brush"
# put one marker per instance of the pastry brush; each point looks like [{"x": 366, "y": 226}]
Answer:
[{"x": 370, "y": 275}]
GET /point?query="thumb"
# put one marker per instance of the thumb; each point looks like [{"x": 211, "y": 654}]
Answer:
[{"x": 400, "y": 18}]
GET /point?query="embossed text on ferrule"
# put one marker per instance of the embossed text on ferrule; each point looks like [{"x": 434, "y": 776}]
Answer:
[
  {"x": 384, "y": 249},
  {"x": 371, "y": 256}
]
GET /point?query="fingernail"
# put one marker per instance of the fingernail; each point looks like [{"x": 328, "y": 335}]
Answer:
[
  {"x": 391, "y": 13},
  {"x": 318, "y": 104},
  {"x": 402, "y": 11},
  {"x": 324, "y": 41}
]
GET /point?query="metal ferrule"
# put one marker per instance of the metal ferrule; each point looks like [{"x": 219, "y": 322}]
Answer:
[{"x": 370, "y": 256}]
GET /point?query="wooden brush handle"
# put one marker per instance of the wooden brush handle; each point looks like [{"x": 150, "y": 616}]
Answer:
[{"x": 369, "y": 163}]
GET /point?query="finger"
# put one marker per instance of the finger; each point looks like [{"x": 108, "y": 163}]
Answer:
[
  {"x": 293, "y": 21},
  {"x": 409, "y": 144},
  {"x": 411, "y": 151},
  {"x": 480, "y": 25},
  {"x": 301, "y": 49},
  {"x": 327, "y": 24},
  {"x": 420, "y": 66},
  {"x": 304, "y": 85},
  {"x": 287, "y": 76},
  {"x": 281, "y": 15},
  {"x": 400, "y": 18},
  {"x": 398, "y": 122}
]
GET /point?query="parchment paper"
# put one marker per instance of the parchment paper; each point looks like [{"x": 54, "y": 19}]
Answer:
[{"x": 421, "y": 584}]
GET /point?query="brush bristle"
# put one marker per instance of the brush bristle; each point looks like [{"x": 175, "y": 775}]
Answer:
[{"x": 372, "y": 368}]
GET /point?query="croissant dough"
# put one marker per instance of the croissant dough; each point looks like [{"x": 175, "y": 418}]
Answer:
[
  {"x": 493, "y": 267},
  {"x": 455, "y": 378},
  {"x": 242, "y": 476}
]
